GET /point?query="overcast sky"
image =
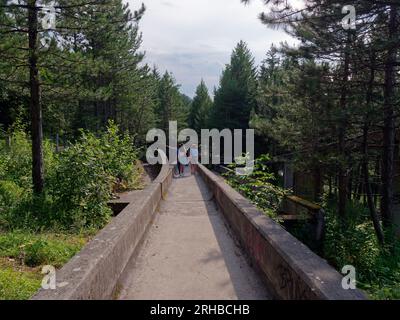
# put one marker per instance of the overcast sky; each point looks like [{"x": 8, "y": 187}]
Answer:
[{"x": 194, "y": 39}]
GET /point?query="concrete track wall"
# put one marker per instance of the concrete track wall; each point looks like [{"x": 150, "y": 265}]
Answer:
[
  {"x": 287, "y": 266},
  {"x": 96, "y": 271}
]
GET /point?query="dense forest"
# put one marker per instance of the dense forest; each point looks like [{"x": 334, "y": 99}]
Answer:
[
  {"x": 82, "y": 72},
  {"x": 327, "y": 107},
  {"x": 76, "y": 101}
]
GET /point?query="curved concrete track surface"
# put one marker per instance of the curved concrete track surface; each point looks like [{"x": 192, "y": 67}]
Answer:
[{"x": 189, "y": 253}]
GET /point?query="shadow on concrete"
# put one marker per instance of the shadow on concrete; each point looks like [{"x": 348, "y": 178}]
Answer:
[{"x": 231, "y": 252}]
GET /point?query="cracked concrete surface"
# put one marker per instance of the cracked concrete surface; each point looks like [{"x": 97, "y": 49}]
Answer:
[{"x": 190, "y": 254}]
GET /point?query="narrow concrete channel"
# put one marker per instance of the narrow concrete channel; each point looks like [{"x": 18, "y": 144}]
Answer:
[{"x": 190, "y": 254}]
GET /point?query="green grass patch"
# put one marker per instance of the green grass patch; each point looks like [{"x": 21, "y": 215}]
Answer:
[
  {"x": 22, "y": 254},
  {"x": 34, "y": 250},
  {"x": 18, "y": 285}
]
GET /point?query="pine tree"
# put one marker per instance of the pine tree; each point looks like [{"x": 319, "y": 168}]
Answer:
[
  {"x": 44, "y": 61},
  {"x": 236, "y": 96},
  {"x": 363, "y": 64},
  {"x": 200, "y": 108},
  {"x": 172, "y": 105}
]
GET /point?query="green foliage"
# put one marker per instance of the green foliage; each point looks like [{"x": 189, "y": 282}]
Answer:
[
  {"x": 120, "y": 157},
  {"x": 79, "y": 182},
  {"x": 80, "y": 186},
  {"x": 83, "y": 182},
  {"x": 23, "y": 253},
  {"x": 258, "y": 186},
  {"x": 15, "y": 161},
  {"x": 199, "y": 117},
  {"x": 353, "y": 242},
  {"x": 91, "y": 70},
  {"x": 172, "y": 105},
  {"x": 35, "y": 250},
  {"x": 294, "y": 108},
  {"x": 17, "y": 285},
  {"x": 236, "y": 96}
]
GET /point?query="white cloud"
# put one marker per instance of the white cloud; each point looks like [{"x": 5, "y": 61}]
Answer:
[{"x": 194, "y": 38}]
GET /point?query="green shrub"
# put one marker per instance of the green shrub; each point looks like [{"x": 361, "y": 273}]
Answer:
[
  {"x": 83, "y": 182},
  {"x": 78, "y": 184},
  {"x": 15, "y": 161},
  {"x": 11, "y": 196},
  {"x": 353, "y": 242},
  {"x": 258, "y": 186},
  {"x": 120, "y": 158},
  {"x": 10, "y": 193},
  {"x": 50, "y": 252}
]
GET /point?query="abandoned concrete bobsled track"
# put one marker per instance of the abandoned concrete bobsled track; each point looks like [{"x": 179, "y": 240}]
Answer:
[
  {"x": 195, "y": 238},
  {"x": 189, "y": 253}
]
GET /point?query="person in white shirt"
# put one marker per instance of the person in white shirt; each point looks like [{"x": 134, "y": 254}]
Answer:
[
  {"x": 183, "y": 159},
  {"x": 194, "y": 158}
]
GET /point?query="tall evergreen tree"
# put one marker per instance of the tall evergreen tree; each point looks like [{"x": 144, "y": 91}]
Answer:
[
  {"x": 236, "y": 96},
  {"x": 364, "y": 65},
  {"x": 200, "y": 108},
  {"x": 40, "y": 63},
  {"x": 172, "y": 105}
]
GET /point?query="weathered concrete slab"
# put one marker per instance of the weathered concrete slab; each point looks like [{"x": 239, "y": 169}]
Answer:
[
  {"x": 190, "y": 254},
  {"x": 291, "y": 269},
  {"x": 96, "y": 271}
]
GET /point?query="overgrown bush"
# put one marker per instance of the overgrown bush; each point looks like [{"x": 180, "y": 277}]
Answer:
[
  {"x": 353, "y": 242},
  {"x": 120, "y": 159},
  {"x": 15, "y": 160},
  {"x": 347, "y": 242},
  {"x": 79, "y": 181},
  {"x": 80, "y": 186},
  {"x": 257, "y": 186}
]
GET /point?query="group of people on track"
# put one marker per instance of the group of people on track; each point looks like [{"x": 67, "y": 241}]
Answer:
[{"x": 187, "y": 156}]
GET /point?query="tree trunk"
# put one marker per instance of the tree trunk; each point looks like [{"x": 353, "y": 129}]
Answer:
[
  {"x": 376, "y": 186},
  {"x": 359, "y": 186},
  {"x": 350, "y": 186},
  {"x": 342, "y": 172},
  {"x": 35, "y": 101},
  {"x": 365, "y": 152},
  {"x": 57, "y": 143},
  {"x": 389, "y": 126},
  {"x": 318, "y": 183},
  {"x": 370, "y": 199}
]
